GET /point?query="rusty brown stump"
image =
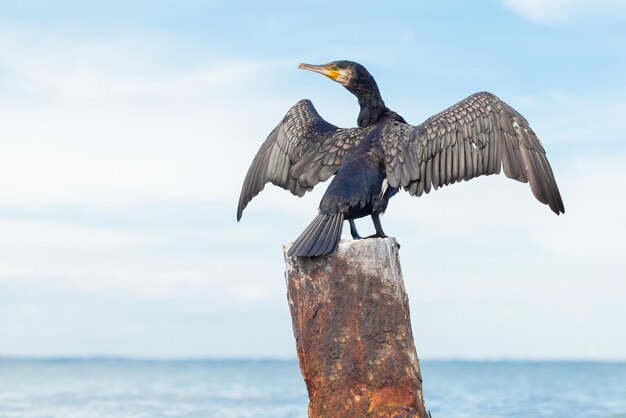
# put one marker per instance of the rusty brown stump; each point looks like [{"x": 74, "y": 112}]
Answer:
[{"x": 351, "y": 322}]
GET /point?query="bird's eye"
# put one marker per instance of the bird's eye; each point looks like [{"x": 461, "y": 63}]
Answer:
[{"x": 335, "y": 68}]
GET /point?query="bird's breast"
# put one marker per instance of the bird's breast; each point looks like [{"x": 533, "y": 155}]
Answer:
[{"x": 357, "y": 186}]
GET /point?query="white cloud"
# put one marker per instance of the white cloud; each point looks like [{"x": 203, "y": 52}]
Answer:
[
  {"x": 552, "y": 11},
  {"x": 125, "y": 65},
  {"x": 91, "y": 120},
  {"x": 248, "y": 292},
  {"x": 35, "y": 235}
]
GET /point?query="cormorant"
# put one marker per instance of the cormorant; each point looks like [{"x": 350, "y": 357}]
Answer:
[{"x": 477, "y": 136}]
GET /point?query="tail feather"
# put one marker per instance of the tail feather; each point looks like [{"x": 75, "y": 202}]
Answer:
[
  {"x": 320, "y": 237},
  {"x": 336, "y": 231},
  {"x": 306, "y": 240}
]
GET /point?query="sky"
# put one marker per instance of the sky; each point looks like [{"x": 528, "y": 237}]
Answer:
[{"x": 127, "y": 127}]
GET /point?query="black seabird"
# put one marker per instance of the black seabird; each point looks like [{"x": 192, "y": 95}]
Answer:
[{"x": 477, "y": 136}]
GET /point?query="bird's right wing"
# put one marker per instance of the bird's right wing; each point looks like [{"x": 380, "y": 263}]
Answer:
[
  {"x": 302, "y": 151},
  {"x": 475, "y": 137}
]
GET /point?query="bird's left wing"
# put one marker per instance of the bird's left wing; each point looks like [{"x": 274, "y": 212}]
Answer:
[
  {"x": 475, "y": 137},
  {"x": 302, "y": 151}
]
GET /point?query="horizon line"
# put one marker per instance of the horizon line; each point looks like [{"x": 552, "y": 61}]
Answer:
[{"x": 183, "y": 359}]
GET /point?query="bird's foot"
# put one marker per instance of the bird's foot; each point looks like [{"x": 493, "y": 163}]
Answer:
[
  {"x": 382, "y": 236},
  {"x": 356, "y": 237}
]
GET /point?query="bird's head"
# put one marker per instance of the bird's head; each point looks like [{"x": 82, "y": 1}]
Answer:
[
  {"x": 349, "y": 74},
  {"x": 358, "y": 81}
]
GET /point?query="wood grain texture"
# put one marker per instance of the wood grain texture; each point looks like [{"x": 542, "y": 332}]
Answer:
[{"x": 353, "y": 333}]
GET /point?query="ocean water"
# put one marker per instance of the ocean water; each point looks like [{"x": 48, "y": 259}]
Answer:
[{"x": 99, "y": 388}]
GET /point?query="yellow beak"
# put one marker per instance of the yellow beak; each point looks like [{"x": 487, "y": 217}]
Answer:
[{"x": 325, "y": 69}]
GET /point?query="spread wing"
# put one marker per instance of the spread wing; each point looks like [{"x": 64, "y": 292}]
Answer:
[
  {"x": 475, "y": 137},
  {"x": 302, "y": 151}
]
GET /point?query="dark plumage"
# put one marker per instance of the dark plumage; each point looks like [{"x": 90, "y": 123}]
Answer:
[{"x": 477, "y": 136}]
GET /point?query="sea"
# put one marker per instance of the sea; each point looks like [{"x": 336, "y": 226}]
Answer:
[{"x": 120, "y": 388}]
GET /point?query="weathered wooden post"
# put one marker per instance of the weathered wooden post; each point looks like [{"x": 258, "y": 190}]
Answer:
[{"x": 353, "y": 334}]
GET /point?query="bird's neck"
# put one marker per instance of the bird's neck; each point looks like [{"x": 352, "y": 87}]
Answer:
[{"x": 371, "y": 103}]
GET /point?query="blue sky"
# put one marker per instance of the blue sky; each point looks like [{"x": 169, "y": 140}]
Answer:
[{"x": 128, "y": 126}]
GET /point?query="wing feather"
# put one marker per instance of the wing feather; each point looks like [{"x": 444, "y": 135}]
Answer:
[
  {"x": 477, "y": 136},
  {"x": 302, "y": 151}
]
